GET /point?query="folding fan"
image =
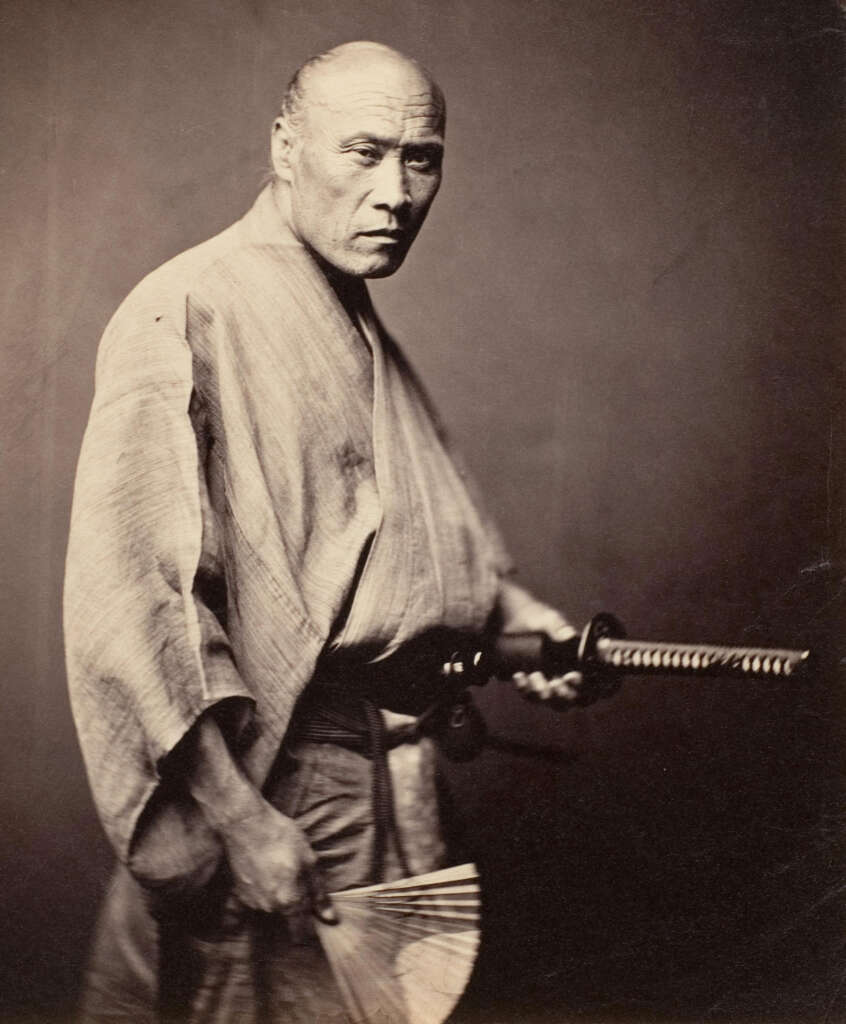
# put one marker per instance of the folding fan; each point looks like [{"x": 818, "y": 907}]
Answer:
[{"x": 403, "y": 951}]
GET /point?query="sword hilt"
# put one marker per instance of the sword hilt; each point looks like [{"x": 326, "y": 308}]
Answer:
[{"x": 603, "y": 654}]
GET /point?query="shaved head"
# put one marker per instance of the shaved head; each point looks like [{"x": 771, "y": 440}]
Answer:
[{"x": 355, "y": 57}]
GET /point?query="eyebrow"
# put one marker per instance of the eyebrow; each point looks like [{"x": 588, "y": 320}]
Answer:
[{"x": 433, "y": 143}]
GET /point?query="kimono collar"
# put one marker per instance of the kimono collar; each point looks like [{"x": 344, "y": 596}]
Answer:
[{"x": 265, "y": 224}]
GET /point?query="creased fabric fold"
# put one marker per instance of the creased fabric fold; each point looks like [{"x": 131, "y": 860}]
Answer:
[{"x": 243, "y": 461}]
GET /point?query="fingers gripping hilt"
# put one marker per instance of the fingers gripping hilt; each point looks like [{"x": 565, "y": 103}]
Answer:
[{"x": 537, "y": 652}]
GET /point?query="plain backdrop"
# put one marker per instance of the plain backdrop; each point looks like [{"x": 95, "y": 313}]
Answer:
[{"x": 627, "y": 304}]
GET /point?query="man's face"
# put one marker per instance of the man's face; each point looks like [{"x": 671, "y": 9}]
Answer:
[{"x": 365, "y": 165}]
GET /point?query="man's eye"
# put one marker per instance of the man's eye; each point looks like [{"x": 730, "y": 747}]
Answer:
[
  {"x": 421, "y": 161},
  {"x": 367, "y": 154}
]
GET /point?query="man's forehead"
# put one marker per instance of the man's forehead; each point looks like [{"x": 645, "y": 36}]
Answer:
[{"x": 383, "y": 95}]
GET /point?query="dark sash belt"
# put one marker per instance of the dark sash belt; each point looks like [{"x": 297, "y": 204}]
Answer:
[
  {"x": 341, "y": 705},
  {"x": 357, "y": 724}
]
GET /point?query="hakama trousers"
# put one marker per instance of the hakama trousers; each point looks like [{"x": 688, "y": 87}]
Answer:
[{"x": 230, "y": 965}]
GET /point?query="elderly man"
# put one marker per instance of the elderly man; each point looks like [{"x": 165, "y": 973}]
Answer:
[{"x": 265, "y": 509}]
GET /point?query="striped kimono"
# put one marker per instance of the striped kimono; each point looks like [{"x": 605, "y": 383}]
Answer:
[{"x": 261, "y": 480}]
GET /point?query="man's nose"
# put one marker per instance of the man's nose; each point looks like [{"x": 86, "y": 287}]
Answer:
[{"x": 390, "y": 188}]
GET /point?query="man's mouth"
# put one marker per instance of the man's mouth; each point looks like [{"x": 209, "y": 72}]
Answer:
[{"x": 384, "y": 234}]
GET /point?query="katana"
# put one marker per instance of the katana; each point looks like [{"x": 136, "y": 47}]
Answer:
[{"x": 605, "y": 654}]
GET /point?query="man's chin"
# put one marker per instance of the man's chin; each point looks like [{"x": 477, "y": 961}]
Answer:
[
  {"x": 367, "y": 264},
  {"x": 383, "y": 271},
  {"x": 376, "y": 264}
]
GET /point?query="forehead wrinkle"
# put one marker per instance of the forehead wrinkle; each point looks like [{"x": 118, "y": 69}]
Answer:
[
  {"x": 383, "y": 89},
  {"x": 388, "y": 115},
  {"x": 381, "y": 118},
  {"x": 380, "y": 98},
  {"x": 382, "y": 105}
]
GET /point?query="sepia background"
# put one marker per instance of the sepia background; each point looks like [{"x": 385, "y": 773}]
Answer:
[{"x": 627, "y": 304}]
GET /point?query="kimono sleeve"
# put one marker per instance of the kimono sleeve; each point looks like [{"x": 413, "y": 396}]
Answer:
[{"x": 146, "y": 654}]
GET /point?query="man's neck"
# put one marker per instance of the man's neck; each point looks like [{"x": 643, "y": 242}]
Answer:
[{"x": 351, "y": 292}]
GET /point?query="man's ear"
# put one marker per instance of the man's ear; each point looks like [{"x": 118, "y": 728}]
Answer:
[{"x": 281, "y": 148}]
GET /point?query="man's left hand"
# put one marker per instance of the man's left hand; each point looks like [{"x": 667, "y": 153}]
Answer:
[{"x": 523, "y": 613}]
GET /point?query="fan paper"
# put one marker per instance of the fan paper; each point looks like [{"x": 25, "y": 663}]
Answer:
[{"x": 403, "y": 951}]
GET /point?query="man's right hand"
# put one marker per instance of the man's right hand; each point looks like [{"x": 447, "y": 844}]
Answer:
[{"x": 273, "y": 867}]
